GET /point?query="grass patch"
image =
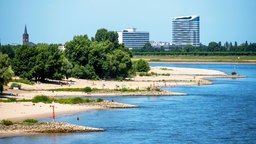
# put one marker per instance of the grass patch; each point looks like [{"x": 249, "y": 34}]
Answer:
[
  {"x": 76, "y": 100},
  {"x": 86, "y": 89},
  {"x": 25, "y": 81},
  {"x": 6, "y": 122},
  {"x": 15, "y": 85},
  {"x": 32, "y": 121},
  {"x": 191, "y": 58},
  {"x": 41, "y": 98}
]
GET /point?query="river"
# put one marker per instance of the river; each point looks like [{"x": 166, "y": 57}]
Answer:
[{"x": 220, "y": 113}]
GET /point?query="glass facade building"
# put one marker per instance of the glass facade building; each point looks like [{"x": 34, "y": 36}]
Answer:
[
  {"x": 133, "y": 39},
  {"x": 186, "y": 30}
]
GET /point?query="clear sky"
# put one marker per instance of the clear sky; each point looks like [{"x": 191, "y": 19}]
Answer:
[{"x": 57, "y": 21}]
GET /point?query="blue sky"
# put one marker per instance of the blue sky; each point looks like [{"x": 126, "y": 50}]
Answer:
[{"x": 57, "y": 21}]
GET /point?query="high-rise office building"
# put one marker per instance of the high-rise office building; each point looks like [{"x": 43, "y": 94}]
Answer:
[
  {"x": 132, "y": 38},
  {"x": 186, "y": 30}
]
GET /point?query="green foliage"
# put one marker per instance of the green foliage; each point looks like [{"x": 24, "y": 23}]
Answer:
[
  {"x": 11, "y": 100},
  {"x": 233, "y": 73},
  {"x": 142, "y": 66},
  {"x": 41, "y": 98},
  {"x": 6, "y": 72},
  {"x": 30, "y": 121},
  {"x": 99, "y": 100},
  {"x": 9, "y": 50},
  {"x": 25, "y": 81},
  {"x": 100, "y": 58},
  {"x": 6, "y": 122},
  {"x": 213, "y": 49},
  {"x": 15, "y": 85},
  {"x": 77, "y": 100},
  {"x": 40, "y": 62},
  {"x": 87, "y": 89}
]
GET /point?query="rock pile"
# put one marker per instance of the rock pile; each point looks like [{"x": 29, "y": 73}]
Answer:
[
  {"x": 47, "y": 127},
  {"x": 112, "y": 104}
]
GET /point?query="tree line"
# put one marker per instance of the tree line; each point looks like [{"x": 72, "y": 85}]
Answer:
[
  {"x": 213, "y": 48},
  {"x": 100, "y": 57}
]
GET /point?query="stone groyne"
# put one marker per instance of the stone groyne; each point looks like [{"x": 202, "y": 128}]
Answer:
[
  {"x": 111, "y": 104},
  {"x": 46, "y": 127}
]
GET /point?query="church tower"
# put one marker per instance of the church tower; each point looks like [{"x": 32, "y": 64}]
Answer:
[{"x": 25, "y": 36}]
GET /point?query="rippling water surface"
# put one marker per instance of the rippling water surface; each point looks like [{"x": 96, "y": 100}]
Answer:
[{"x": 220, "y": 113}]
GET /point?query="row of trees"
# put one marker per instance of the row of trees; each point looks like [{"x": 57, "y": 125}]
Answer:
[
  {"x": 101, "y": 57},
  {"x": 213, "y": 48}
]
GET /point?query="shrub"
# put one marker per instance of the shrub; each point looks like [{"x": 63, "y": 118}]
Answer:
[
  {"x": 15, "y": 85},
  {"x": 25, "y": 81},
  {"x": 148, "y": 88},
  {"x": 233, "y": 73},
  {"x": 99, "y": 100},
  {"x": 142, "y": 74},
  {"x": 12, "y": 100},
  {"x": 7, "y": 122},
  {"x": 158, "y": 89},
  {"x": 30, "y": 121},
  {"x": 77, "y": 100},
  {"x": 41, "y": 98},
  {"x": 87, "y": 100},
  {"x": 87, "y": 89}
]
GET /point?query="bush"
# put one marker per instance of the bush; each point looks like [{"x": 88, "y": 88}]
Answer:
[
  {"x": 87, "y": 89},
  {"x": 15, "y": 85},
  {"x": 99, "y": 100},
  {"x": 142, "y": 74},
  {"x": 25, "y": 81},
  {"x": 7, "y": 122},
  {"x": 30, "y": 121},
  {"x": 87, "y": 100},
  {"x": 77, "y": 100},
  {"x": 233, "y": 73},
  {"x": 11, "y": 100},
  {"x": 41, "y": 98}
]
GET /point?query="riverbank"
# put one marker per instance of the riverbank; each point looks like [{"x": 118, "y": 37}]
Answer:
[
  {"x": 23, "y": 110},
  {"x": 142, "y": 85},
  {"x": 159, "y": 77}
]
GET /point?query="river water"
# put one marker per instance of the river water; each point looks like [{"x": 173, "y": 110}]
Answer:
[{"x": 224, "y": 112}]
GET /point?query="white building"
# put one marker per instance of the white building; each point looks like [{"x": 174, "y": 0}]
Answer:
[
  {"x": 186, "y": 30},
  {"x": 132, "y": 38}
]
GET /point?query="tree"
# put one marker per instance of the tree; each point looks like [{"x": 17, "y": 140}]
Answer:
[
  {"x": 24, "y": 61},
  {"x": 142, "y": 66},
  {"x": 77, "y": 50},
  {"x": 101, "y": 35},
  {"x": 40, "y": 62},
  {"x": 9, "y": 50},
  {"x": 213, "y": 46},
  {"x": 6, "y": 72}
]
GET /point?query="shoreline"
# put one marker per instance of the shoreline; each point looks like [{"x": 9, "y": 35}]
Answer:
[
  {"x": 204, "y": 62},
  {"x": 165, "y": 77}
]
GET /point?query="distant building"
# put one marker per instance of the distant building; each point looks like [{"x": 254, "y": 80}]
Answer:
[
  {"x": 186, "y": 30},
  {"x": 132, "y": 38},
  {"x": 160, "y": 44},
  {"x": 61, "y": 47},
  {"x": 25, "y": 38}
]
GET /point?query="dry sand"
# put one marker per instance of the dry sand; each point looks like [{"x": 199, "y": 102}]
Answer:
[{"x": 23, "y": 110}]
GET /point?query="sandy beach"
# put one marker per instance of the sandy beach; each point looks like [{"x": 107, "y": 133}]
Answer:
[{"x": 166, "y": 77}]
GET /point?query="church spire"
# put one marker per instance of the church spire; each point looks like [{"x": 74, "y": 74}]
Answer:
[
  {"x": 25, "y": 36},
  {"x": 25, "y": 32}
]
